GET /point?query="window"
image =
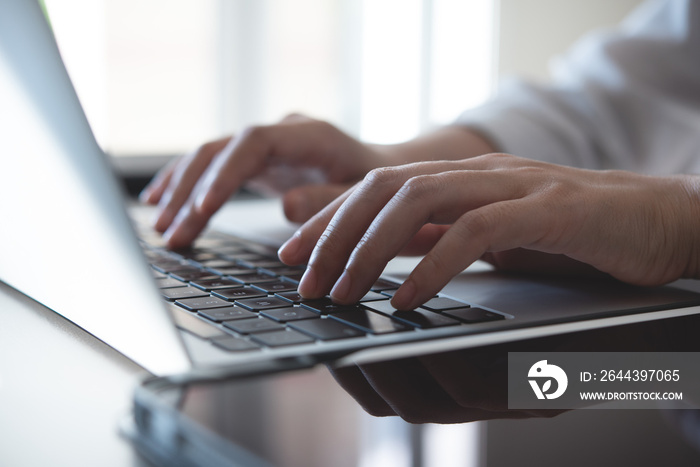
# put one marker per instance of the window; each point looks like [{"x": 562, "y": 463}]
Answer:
[{"x": 162, "y": 76}]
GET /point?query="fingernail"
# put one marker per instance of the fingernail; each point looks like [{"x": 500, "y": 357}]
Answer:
[
  {"x": 163, "y": 220},
  {"x": 174, "y": 230},
  {"x": 308, "y": 283},
  {"x": 291, "y": 246},
  {"x": 342, "y": 288},
  {"x": 167, "y": 234},
  {"x": 403, "y": 298}
]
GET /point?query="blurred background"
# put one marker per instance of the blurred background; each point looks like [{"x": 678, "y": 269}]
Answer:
[{"x": 159, "y": 77}]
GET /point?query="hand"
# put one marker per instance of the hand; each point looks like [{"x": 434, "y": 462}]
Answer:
[
  {"x": 191, "y": 189},
  {"x": 472, "y": 384},
  {"x": 452, "y": 387},
  {"x": 639, "y": 229}
]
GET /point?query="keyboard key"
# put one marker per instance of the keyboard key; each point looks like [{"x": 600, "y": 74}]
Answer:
[
  {"x": 284, "y": 315},
  {"x": 169, "y": 282},
  {"x": 188, "y": 322},
  {"x": 326, "y": 306},
  {"x": 282, "y": 338},
  {"x": 214, "y": 284},
  {"x": 253, "y": 325},
  {"x": 182, "y": 292},
  {"x": 277, "y": 286},
  {"x": 473, "y": 315},
  {"x": 199, "y": 256},
  {"x": 231, "y": 271},
  {"x": 369, "y": 321},
  {"x": 264, "y": 263},
  {"x": 384, "y": 284},
  {"x": 238, "y": 293},
  {"x": 372, "y": 297},
  {"x": 243, "y": 256},
  {"x": 227, "y": 314},
  {"x": 235, "y": 344},
  {"x": 231, "y": 250},
  {"x": 254, "y": 278},
  {"x": 170, "y": 265},
  {"x": 218, "y": 263},
  {"x": 263, "y": 303},
  {"x": 203, "y": 303},
  {"x": 443, "y": 303},
  {"x": 167, "y": 268},
  {"x": 326, "y": 329},
  {"x": 291, "y": 271},
  {"x": 293, "y": 278},
  {"x": 424, "y": 319},
  {"x": 292, "y": 297},
  {"x": 193, "y": 275}
]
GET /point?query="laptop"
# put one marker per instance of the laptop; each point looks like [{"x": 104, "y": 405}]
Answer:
[{"x": 68, "y": 241}]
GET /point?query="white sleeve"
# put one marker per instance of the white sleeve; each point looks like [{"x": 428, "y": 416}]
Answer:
[{"x": 627, "y": 99}]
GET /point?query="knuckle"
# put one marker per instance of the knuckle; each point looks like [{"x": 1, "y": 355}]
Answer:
[
  {"x": 322, "y": 125},
  {"x": 367, "y": 250},
  {"x": 413, "y": 414},
  {"x": 295, "y": 117},
  {"x": 418, "y": 187},
  {"x": 207, "y": 148},
  {"x": 499, "y": 158},
  {"x": 474, "y": 224},
  {"x": 254, "y": 132},
  {"x": 382, "y": 176},
  {"x": 327, "y": 243}
]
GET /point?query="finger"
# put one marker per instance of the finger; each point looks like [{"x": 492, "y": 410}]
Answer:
[
  {"x": 353, "y": 381},
  {"x": 307, "y": 144},
  {"x": 473, "y": 378},
  {"x": 300, "y": 204},
  {"x": 152, "y": 193},
  {"x": 295, "y": 118},
  {"x": 423, "y": 241},
  {"x": 331, "y": 248},
  {"x": 297, "y": 249},
  {"x": 181, "y": 234},
  {"x": 436, "y": 198},
  {"x": 184, "y": 178},
  {"x": 494, "y": 227},
  {"x": 414, "y": 395}
]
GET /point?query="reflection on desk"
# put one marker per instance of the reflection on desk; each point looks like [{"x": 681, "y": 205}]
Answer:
[{"x": 303, "y": 418}]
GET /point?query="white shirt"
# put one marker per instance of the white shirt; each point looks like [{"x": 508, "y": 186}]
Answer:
[{"x": 627, "y": 99}]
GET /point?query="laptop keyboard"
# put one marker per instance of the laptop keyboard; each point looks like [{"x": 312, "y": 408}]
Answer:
[{"x": 240, "y": 297}]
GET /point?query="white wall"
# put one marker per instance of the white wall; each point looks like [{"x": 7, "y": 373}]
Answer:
[{"x": 532, "y": 31}]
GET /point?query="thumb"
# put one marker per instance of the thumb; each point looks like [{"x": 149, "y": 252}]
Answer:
[{"x": 300, "y": 204}]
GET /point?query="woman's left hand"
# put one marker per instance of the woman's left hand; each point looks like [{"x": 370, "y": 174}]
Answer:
[{"x": 640, "y": 229}]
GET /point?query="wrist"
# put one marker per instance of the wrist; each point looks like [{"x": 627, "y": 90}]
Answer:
[{"x": 452, "y": 142}]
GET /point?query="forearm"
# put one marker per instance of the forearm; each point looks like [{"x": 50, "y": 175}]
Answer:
[{"x": 447, "y": 143}]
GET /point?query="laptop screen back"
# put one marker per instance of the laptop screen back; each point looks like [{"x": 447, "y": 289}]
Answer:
[{"x": 65, "y": 239}]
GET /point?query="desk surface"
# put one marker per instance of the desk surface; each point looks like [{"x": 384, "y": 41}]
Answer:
[{"x": 62, "y": 392}]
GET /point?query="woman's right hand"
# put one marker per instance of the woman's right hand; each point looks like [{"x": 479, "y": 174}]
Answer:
[{"x": 283, "y": 157}]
